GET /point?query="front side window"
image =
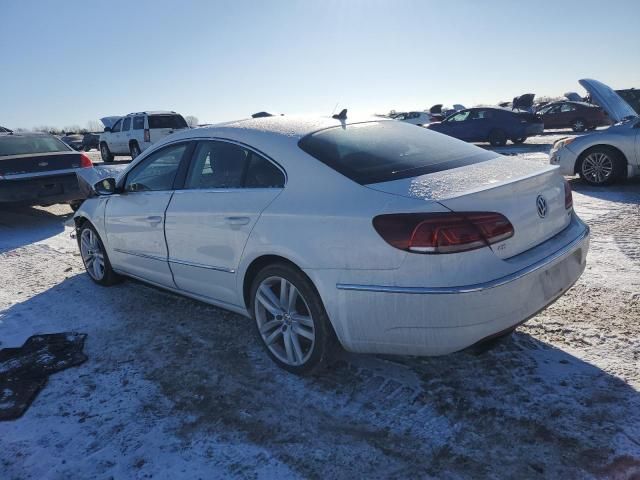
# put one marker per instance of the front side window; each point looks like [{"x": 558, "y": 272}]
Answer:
[
  {"x": 116, "y": 126},
  {"x": 373, "y": 152},
  {"x": 481, "y": 114},
  {"x": 138, "y": 122},
  {"x": 567, "y": 107},
  {"x": 126, "y": 124},
  {"x": 459, "y": 117},
  {"x": 157, "y": 171}
]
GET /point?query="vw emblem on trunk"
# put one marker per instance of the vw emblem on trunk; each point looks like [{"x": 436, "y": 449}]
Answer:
[{"x": 541, "y": 205}]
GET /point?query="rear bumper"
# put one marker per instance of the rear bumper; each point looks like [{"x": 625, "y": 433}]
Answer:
[
  {"x": 437, "y": 321},
  {"x": 41, "y": 190}
]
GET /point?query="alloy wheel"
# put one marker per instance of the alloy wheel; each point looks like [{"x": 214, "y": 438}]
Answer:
[
  {"x": 597, "y": 167},
  {"x": 284, "y": 321},
  {"x": 92, "y": 254}
]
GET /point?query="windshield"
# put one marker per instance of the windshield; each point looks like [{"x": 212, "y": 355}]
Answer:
[
  {"x": 24, "y": 145},
  {"x": 167, "y": 121},
  {"x": 375, "y": 152}
]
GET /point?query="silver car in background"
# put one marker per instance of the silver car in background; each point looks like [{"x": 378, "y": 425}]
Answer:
[{"x": 606, "y": 156}]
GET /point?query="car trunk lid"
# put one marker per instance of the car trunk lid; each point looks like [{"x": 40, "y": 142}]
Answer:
[
  {"x": 38, "y": 163},
  {"x": 609, "y": 100},
  {"x": 515, "y": 188}
]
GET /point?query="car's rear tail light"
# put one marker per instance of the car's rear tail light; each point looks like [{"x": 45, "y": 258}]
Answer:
[
  {"x": 147, "y": 135},
  {"x": 442, "y": 232},
  {"x": 85, "y": 161},
  {"x": 568, "y": 196}
]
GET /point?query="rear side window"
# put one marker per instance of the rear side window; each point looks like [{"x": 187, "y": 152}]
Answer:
[
  {"x": 126, "y": 124},
  {"x": 167, "y": 121},
  {"x": 217, "y": 165},
  {"x": 261, "y": 173},
  {"x": 138, "y": 122},
  {"x": 19, "y": 145},
  {"x": 374, "y": 152}
]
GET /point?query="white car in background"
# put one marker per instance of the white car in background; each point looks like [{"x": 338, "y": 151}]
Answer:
[
  {"x": 372, "y": 233},
  {"x": 605, "y": 156},
  {"x": 415, "y": 118},
  {"x": 135, "y": 132}
]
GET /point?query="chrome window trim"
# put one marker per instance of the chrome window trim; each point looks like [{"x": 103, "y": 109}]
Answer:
[
  {"x": 478, "y": 287},
  {"x": 201, "y": 265}
]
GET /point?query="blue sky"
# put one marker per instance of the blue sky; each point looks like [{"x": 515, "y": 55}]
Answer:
[{"x": 66, "y": 63}]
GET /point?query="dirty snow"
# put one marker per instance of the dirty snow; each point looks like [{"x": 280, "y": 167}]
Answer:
[{"x": 174, "y": 388}]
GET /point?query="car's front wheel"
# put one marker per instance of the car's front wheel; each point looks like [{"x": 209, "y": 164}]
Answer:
[
  {"x": 290, "y": 319},
  {"x": 601, "y": 166},
  {"x": 94, "y": 256},
  {"x": 105, "y": 153},
  {"x": 579, "y": 125}
]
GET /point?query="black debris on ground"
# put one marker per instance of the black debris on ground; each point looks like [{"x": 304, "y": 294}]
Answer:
[{"x": 24, "y": 370}]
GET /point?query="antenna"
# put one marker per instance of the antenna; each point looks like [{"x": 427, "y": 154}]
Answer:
[{"x": 341, "y": 116}]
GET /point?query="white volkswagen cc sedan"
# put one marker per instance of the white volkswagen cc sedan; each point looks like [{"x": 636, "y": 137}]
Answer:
[{"x": 370, "y": 233}]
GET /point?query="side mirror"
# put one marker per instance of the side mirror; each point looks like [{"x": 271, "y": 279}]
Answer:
[
  {"x": 106, "y": 186},
  {"x": 107, "y": 129}
]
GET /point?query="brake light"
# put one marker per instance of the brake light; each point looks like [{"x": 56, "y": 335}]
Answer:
[
  {"x": 568, "y": 196},
  {"x": 147, "y": 135},
  {"x": 442, "y": 232},
  {"x": 85, "y": 161}
]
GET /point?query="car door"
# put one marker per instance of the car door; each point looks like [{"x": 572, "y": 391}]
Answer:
[
  {"x": 457, "y": 125},
  {"x": 567, "y": 115},
  {"x": 479, "y": 125},
  {"x": 550, "y": 116},
  {"x": 209, "y": 221},
  {"x": 134, "y": 218},
  {"x": 125, "y": 135},
  {"x": 115, "y": 140}
]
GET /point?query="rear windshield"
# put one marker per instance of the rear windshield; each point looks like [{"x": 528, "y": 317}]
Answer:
[
  {"x": 23, "y": 145},
  {"x": 374, "y": 152},
  {"x": 167, "y": 121}
]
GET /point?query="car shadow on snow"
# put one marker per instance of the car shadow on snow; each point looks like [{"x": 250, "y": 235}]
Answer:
[
  {"x": 523, "y": 409},
  {"x": 627, "y": 192},
  {"x": 22, "y": 225}
]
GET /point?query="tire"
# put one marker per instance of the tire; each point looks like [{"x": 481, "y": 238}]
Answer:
[
  {"x": 579, "y": 125},
  {"x": 497, "y": 138},
  {"x": 518, "y": 141},
  {"x": 94, "y": 256},
  {"x": 105, "y": 153},
  {"x": 297, "y": 336},
  {"x": 601, "y": 166},
  {"x": 134, "y": 150}
]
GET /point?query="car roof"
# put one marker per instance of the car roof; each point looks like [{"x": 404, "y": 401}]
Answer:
[
  {"x": 152, "y": 112},
  {"x": 289, "y": 126}
]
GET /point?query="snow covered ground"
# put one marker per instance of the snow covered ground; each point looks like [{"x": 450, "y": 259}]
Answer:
[{"x": 174, "y": 388}]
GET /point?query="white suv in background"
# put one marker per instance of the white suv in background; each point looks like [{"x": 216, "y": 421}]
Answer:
[{"x": 133, "y": 133}]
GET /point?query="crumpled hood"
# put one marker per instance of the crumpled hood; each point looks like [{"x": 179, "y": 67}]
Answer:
[{"x": 457, "y": 181}]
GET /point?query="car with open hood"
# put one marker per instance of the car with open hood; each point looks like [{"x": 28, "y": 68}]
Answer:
[
  {"x": 605, "y": 156},
  {"x": 369, "y": 232}
]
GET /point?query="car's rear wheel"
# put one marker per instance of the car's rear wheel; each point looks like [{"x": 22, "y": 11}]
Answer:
[
  {"x": 134, "y": 150},
  {"x": 519, "y": 140},
  {"x": 105, "y": 153},
  {"x": 497, "y": 138},
  {"x": 290, "y": 319},
  {"x": 601, "y": 166},
  {"x": 94, "y": 256},
  {"x": 579, "y": 125}
]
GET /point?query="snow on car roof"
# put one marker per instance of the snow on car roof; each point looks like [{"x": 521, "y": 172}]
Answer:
[{"x": 290, "y": 126}]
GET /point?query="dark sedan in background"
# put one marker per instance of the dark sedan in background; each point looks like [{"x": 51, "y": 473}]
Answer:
[
  {"x": 73, "y": 140},
  {"x": 579, "y": 116},
  {"x": 39, "y": 169},
  {"x": 493, "y": 125}
]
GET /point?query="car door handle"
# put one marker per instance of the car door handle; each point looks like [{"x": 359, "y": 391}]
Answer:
[
  {"x": 154, "y": 220},
  {"x": 237, "y": 220}
]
